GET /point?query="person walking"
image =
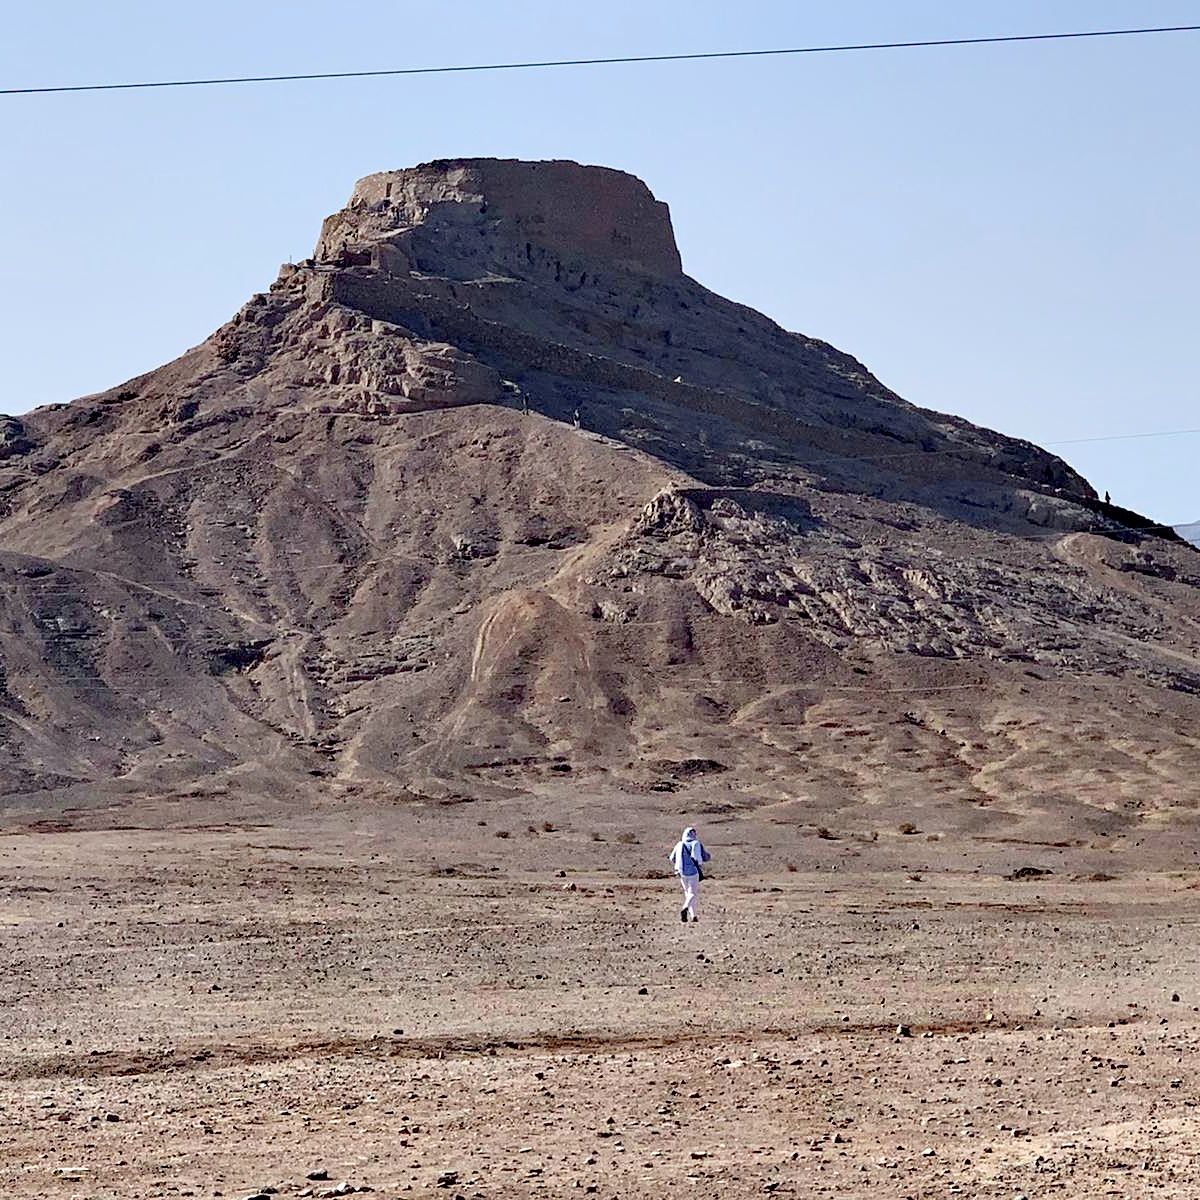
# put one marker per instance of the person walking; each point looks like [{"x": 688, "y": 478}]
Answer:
[{"x": 688, "y": 858}]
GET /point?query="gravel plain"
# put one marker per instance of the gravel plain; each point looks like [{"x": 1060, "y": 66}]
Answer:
[{"x": 398, "y": 1000}]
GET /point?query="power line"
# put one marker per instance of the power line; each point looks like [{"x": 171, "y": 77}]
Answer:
[
  {"x": 600, "y": 62},
  {"x": 1123, "y": 437}
]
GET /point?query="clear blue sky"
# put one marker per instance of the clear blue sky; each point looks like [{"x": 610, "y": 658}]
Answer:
[{"x": 1009, "y": 233}]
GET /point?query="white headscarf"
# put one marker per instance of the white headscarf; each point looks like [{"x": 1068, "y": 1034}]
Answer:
[{"x": 691, "y": 846}]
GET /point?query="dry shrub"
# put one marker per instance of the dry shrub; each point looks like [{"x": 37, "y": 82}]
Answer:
[
  {"x": 502, "y": 833},
  {"x": 627, "y": 839},
  {"x": 908, "y": 827}
]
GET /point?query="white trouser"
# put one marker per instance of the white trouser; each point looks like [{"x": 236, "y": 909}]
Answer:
[{"x": 691, "y": 890}]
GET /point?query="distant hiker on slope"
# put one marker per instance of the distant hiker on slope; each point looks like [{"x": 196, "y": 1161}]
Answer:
[{"x": 686, "y": 858}]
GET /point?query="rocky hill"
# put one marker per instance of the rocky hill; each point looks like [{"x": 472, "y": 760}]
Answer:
[{"x": 488, "y": 495}]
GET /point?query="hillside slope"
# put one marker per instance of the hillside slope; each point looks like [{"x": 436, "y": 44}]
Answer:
[{"x": 488, "y": 495}]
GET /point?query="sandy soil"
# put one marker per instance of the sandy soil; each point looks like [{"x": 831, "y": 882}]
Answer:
[{"x": 401, "y": 1000}]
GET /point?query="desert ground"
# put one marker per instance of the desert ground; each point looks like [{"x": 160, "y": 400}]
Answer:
[{"x": 498, "y": 999}]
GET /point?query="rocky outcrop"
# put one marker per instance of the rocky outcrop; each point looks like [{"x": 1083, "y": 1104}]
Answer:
[
  {"x": 489, "y": 492},
  {"x": 566, "y": 281},
  {"x": 478, "y": 216}
]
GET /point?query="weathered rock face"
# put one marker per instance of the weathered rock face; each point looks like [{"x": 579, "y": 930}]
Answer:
[
  {"x": 492, "y": 215},
  {"x": 567, "y": 280},
  {"x": 489, "y": 492}
]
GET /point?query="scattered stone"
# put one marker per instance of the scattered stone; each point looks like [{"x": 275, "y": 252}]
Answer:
[
  {"x": 447, "y": 1179},
  {"x": 1028, "y": 873}
]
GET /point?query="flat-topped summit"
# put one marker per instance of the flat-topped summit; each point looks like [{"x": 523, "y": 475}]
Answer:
[{"x": 592, "y": 214}]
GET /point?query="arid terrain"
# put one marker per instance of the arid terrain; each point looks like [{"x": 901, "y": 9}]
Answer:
[
  {"x": 406, "y": 1000},
  {"x": 489, "y": 492},
  {"x": 359, "y": 668}
]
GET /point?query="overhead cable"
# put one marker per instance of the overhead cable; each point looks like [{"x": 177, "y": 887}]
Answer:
[{"x": 928, "y": 43}]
